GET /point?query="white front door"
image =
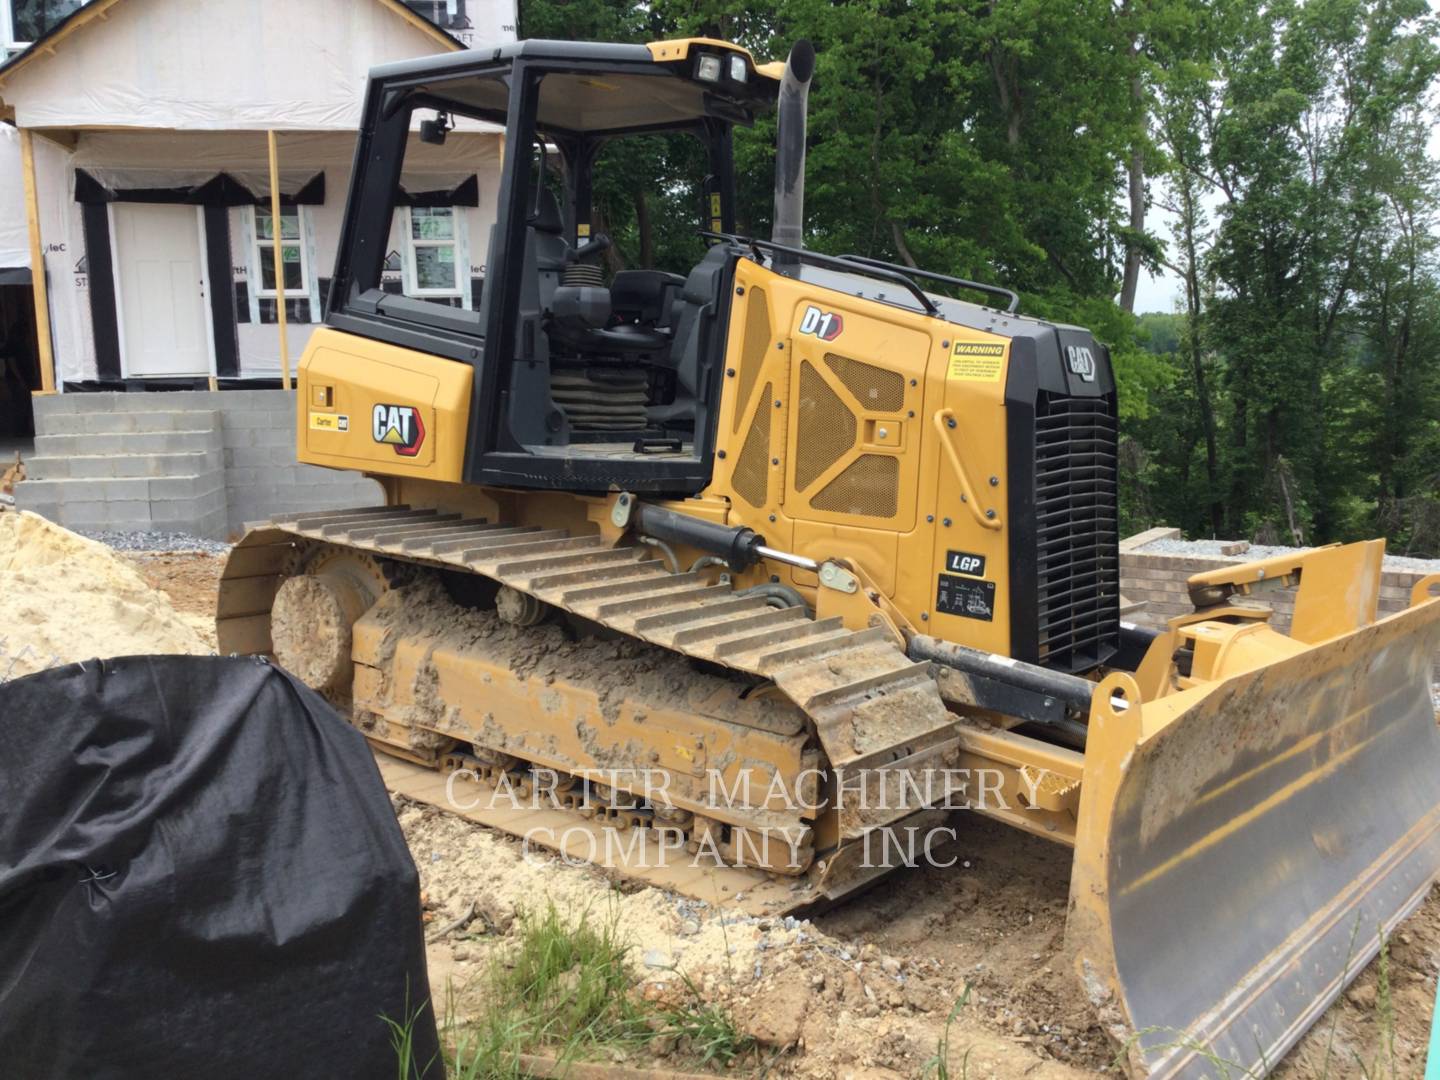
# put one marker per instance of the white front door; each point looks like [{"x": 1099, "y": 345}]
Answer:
[{"x": 159, "y": 277}]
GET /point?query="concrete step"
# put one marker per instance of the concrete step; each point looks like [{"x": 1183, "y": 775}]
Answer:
[
  {"x": 136, "y": 517},
  {"x": 124, "y": 489},
  {"x": 166, "y": 401},
  {"x": 106, "y": 466},
  {"x": 134, "y": 442},
  {"x": 105, "y": 423},
  {"x": 175, "y": 503}
]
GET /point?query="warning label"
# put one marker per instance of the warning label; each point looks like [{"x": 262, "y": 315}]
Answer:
[{"x": 973, "y": 361}]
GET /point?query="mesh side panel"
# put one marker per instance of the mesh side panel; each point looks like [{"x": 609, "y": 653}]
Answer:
[
  {"x": 869, "y": 485},
  {"x": 826, "y": 428},
  {"x": 874, "y": 387},
  {"x": 752, "y": 469},
  {"x": 753, "y": 350}
]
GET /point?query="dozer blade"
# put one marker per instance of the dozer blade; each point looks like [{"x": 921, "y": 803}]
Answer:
[{"x": 1244, "y": 844}]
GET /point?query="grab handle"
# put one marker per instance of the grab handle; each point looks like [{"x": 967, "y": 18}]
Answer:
[{"x": 987, "y": 519}]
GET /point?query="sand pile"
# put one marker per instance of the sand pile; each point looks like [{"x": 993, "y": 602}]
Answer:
[{"x": 64, "y": 598}]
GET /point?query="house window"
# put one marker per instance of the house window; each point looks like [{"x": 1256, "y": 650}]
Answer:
[
  {"x": 29, "y": 20},
  {"x": 292, "y": 251},
  {"x": 433, "y": 261},
  {"x": 449, "y": 14}
]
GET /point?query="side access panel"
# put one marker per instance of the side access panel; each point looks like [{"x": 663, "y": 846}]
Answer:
[{"x": 381, "y": 408}]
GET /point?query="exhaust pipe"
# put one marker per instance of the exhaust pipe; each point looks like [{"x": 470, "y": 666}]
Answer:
[{"x": 790, "y": 153}]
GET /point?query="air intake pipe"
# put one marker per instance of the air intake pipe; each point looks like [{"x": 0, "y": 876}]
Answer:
[{"x": 790, "y": 153}]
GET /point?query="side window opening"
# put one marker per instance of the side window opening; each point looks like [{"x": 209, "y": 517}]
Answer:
[
  {"x": 418, "y": 228},
  {"x": 650, "y": 199},
  {"x": 623, "y": 353}
]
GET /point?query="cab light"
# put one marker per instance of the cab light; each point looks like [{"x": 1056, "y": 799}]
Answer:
[
  {"x": 707, "y": 68},
  {"x": 738, "y": 71}
]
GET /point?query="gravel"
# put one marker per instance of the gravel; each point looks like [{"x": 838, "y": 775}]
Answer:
[
  {"x": 1210, "y": 549},
  {"x": 156, "y": 541}
]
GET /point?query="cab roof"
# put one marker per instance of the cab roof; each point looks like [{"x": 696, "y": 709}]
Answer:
[{"x": 592, "y": 87}]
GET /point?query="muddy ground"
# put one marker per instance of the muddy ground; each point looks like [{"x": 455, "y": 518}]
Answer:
[{"x": 863, "y": 990}]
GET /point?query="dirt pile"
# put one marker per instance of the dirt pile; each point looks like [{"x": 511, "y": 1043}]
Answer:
[
  {"x": 847, "y": 1007},
  {"x": 64, "y": 598}
]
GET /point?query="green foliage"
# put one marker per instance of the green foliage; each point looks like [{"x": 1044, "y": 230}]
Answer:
[
  {"x": 564, "y": 991},
  {"x": 938, "y": 1064},
  {"x": 1282, "y": 162}
]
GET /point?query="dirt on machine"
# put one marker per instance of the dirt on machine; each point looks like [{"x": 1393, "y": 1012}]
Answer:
[{"x": 739, "y": 580}]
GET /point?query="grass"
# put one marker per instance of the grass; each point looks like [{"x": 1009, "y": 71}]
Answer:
[
  {"x": 939, "y": 1063},
  {"x": 563, "y": 991},
  {"x": 708, "y": 1029},
  {"x": 1385, "y": 1014},
  {"x": 402, "y": 1039}
]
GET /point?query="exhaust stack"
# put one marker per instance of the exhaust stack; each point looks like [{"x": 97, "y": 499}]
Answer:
[{"x": 790, "y": 152}]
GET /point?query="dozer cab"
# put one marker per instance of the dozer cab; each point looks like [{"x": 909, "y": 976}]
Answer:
[{"x": 782, "y": 556}]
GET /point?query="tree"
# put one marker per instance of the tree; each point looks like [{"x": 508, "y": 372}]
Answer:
[{"x": 1032, "y": 142}]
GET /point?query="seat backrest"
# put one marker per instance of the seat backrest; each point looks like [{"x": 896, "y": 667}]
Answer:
[
  {"x": 545, "y": 254},
  {"x": 644, "y": 296},
  {"x": 699, "y": 300}
]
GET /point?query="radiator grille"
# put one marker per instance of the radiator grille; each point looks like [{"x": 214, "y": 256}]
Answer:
[
  {"x": 752, "y": 468},
  {"x": 826, "y": 428},
  {"x": 1077, "y": 532}
]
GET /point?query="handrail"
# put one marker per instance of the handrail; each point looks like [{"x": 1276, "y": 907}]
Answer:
[
  {"x": 944, "y": 420},
  {"x": 806, "y": 255},
  {"x": 979, "y": 286}
]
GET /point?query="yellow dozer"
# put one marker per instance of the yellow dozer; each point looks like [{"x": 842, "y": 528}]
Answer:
[{"x": 768, "y": 567}]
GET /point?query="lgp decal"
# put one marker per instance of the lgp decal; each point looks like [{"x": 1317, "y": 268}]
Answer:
[
  {"x": 825, "y": 325},
  {"x": 398, "y": 426},
  {"x": 965, "y": 562}
]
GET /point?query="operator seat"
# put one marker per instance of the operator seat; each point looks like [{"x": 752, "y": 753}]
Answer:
[
  {"x": 545, "y": 243},
  {"x": 584, "y": 316},
  {"x": 693, "y": 314}
]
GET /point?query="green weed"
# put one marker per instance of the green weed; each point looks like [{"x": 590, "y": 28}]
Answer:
[
  {"x": 709, "y": 1029},
  {"x": 563, "y": 991},
  {"x": 402, "y": 1039},
  {"x": 939, "y": 1063}
]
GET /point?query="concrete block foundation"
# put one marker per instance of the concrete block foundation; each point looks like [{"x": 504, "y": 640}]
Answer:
[{"x": 199, "y": 462}]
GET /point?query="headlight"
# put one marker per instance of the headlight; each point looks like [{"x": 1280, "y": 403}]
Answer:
[
  {"x": 707, "y": 69},
  {"x": 738, "y": 71}
]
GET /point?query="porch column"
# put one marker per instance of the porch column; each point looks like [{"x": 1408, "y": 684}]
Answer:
[
  {"x": 277, "y": 250},
  {"x": 37, "y": 265}
]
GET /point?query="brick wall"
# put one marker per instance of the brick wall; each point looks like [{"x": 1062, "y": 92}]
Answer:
[{"x": 1158, "y": 579}]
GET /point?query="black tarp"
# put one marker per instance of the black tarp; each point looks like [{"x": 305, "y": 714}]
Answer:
[{"x": 201, "y": 876}]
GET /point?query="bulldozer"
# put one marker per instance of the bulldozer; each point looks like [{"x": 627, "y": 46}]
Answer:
[{"x": 775, "y": 564}]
